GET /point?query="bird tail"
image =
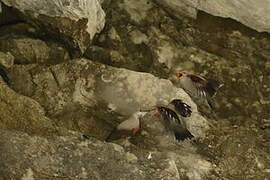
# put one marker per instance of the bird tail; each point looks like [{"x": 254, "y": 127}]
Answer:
[
  {"x": 183, "y": 135},
  {"x": 112, "y": 136},
  {"x": 118, "y": 134},
  {"x": 212, "y": 87},
  {"x": 215, "y": 84}
]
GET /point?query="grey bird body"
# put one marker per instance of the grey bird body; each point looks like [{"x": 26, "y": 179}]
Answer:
[
  {"x": 200, "y": 89},
  {"x": 127, "y": 128}
]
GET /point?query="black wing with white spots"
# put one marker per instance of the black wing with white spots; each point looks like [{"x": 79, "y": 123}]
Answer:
[
  {"x": 176, "y": 124},
  {"x": 169, "y": 115},
  {"x": 182, "y": 108}
]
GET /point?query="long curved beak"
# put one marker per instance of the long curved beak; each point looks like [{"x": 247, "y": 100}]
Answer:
[{"x": 147, "y": 110}]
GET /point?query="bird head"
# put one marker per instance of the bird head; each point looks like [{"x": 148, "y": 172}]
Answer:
[{"x": 180, "y": 74}]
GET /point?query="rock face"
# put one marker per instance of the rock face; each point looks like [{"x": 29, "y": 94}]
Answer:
[
  {"x": 75, "y": 158},
  {"x": 29, "y": 50},
  {"x": 251, "y": 13},
  {"x": 74, "y": 22},
  {"x": 87, "y": 96},
  {"x": 104, "y": 161},
  {"x": 57, "y": 110},
  {"x": 28, "y": 115},
  {"x": 254, "y": 14},
  {"x": 180, "y": 8},
  {"x": 91, "y": 86},
  {"x": 6, "y": 59}
]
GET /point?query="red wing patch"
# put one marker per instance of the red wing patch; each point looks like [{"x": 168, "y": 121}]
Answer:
[
  {"x": 136, "y": 129},
  {"x": 198, "y": 80}
]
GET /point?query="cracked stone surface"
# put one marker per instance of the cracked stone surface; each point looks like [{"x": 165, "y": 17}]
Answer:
[{"x": 57, "y": 110}]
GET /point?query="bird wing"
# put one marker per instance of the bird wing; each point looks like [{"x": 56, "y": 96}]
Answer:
[
  {"x": 209, "y": 86},
  {"x": 182, "y": 108},
  {"x": 178, "y": 126},
  {"x": 213, "y": 86},
  {"x": 171, "y": 116},
  {"x": 132, "y": 122},
  {"x": 118, "y": 134},
  {"x": 182, "y": 135},
  {"x": 125, "y": 129},
  {"x": 200, "y": 86}
]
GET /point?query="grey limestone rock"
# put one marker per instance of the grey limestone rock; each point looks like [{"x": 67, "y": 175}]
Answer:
[
  {"x": 71, "y": 157},
  {"x": 29, "y": 50},
  {"x": 74, "y": 22},
  {"x": 251, "y": 13},
  {"x": 97, "y": 93}
]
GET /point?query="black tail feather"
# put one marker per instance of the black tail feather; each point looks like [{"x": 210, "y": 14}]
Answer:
[
  {"x": 213, "y": 86},
  {"x": 181, "y": 107},
  {"x": 118, "y": 134},
  {"x": 183, "y": 135}
]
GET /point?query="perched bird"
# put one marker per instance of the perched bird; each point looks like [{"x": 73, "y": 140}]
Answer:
[
  {"x": 199, "y": 88},
  {"x": 3, "y": 74},
  {"x": 180, "y": 107},
  {"x": 174, "y": 123},
  {"x": 128, "y": 127}
]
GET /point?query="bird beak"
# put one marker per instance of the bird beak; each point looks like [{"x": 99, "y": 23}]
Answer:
[
  {"x": 178, "y": 75},
  {"x": 147, "y": 110},
  {"x": 142, "y": 114},
  {"x": 153, "y": 111}
]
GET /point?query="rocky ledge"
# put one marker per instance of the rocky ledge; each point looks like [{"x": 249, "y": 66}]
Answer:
[{"x": 70, "y": 75}]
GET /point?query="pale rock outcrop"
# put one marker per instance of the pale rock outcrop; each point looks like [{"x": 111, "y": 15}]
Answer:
[
  {"x": 254, "y": 14},
  {"x": 74, "y": 22},
  {"x": 114, "y": 91}
]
